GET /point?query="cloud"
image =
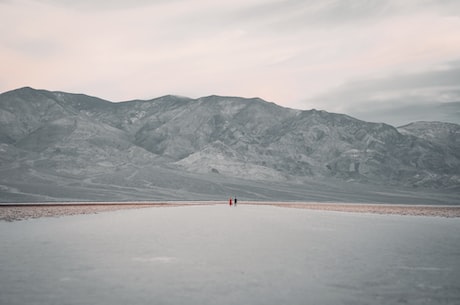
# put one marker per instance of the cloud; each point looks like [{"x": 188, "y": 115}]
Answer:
[
  {"x": 440, "y": 83},
  {"x": 98, "y": 5},
  {"x": 402, "y": 114},
  {"x": 399, "y": 98},
  {"x": 288, "y": 52}
]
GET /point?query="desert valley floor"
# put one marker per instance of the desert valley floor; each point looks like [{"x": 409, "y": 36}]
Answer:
[{"x": 214, "y": 254}]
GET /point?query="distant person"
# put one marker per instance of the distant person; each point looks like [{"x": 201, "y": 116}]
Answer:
[
  {"x": 230, "y": 201},
  {"x": 235, "y": 201}
]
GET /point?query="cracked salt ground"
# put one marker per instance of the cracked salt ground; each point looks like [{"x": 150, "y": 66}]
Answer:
[{"x": 219, "y": 255}]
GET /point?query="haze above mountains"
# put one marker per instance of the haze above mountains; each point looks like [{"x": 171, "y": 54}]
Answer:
[{"x": 67, "y": 147}]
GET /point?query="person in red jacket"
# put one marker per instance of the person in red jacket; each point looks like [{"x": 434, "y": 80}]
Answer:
[{"x": 230, "y": 201}]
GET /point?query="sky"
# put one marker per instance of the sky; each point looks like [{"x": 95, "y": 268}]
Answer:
[{"x": 367, "y": 58}]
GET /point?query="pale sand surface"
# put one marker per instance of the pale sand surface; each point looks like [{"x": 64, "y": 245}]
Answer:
[{"x": 14, "y": 212}]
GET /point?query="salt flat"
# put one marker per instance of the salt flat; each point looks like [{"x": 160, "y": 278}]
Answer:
[{"x": 222, "y": 255}]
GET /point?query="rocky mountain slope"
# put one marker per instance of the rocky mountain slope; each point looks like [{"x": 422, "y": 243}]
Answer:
[{"x": 57, "y": 145}]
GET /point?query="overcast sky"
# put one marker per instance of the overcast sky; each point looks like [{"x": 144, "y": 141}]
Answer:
[{"x": 352, "y": 56}]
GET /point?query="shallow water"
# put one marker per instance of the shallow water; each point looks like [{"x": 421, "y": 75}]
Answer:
[{"x": 223, "y": 255}]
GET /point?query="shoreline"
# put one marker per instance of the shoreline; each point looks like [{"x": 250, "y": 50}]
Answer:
[
  {"x": 22, "y": 211},
  {"x": 447, "y": 211}
]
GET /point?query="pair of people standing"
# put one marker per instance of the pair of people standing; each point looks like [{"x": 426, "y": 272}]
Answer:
[{"x": 232, "y": 201}]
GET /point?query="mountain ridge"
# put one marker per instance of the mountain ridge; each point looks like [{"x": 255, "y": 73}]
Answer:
[{"x": 99, "y": 144}]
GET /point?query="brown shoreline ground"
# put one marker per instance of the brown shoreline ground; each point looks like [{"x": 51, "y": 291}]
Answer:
[
  {"x": 15, "y": 212},
  {"x": 449, "y": 211}
]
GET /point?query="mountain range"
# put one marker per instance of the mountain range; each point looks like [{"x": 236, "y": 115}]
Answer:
[{"x": 61, "y": 146}]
